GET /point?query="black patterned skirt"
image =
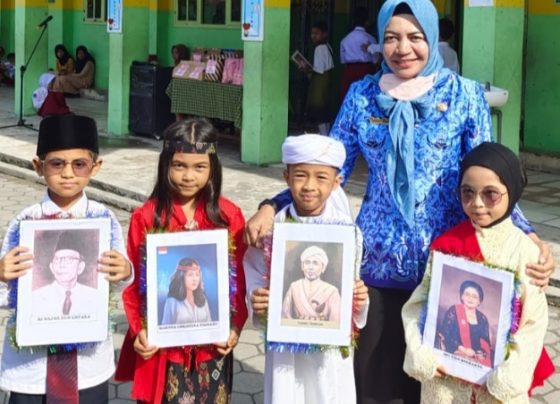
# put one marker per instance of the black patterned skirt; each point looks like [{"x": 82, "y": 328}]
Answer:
[{"x": 211, "y": 383}]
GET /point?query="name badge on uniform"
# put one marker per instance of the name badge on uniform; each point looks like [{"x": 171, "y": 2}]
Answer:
[{"x": 379, "y": 121}]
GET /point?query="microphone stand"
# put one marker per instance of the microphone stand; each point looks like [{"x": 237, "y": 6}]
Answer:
[{"x": 22, "y": 69}]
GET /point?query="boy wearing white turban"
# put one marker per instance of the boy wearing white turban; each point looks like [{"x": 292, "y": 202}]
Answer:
[{"x": 312, "y": 174}]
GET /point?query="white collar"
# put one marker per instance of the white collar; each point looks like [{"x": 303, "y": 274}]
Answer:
[
  {"x": 327, "y": 213},
  {"x": 359, "y": 29},
  {"x": 79, "y": 209}
]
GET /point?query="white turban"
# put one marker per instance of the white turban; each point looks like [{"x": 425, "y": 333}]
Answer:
[
  {"x": 313, "y": 149},
  {"x": 315, "y": 251}
]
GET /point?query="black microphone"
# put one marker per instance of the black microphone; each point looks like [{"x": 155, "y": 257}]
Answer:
[{"x": 45, "y": 21}]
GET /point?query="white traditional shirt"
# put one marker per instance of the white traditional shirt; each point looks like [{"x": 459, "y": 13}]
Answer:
[
  {"x": 25, "y": 371},
  {"x": 449, "y": 56},
  {"x": 351, "y": 47},
  {"x": 506, "y": 246},
  {"x": 322, "y": 58},
  {"x": 323, "y": 377}
]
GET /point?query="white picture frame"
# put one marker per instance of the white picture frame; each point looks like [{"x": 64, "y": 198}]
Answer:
[
  {"x": 301, "y": 61},
  {"x": 44, "y": 314},
  {"x": 451, "y": 277},
  {"x": 169, "y": 323},
  {"x": 288, "y": 319}
]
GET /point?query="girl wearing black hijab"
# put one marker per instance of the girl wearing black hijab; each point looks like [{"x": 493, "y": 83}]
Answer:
[
  {"x": 82, "y": 58},
  {"x": 492, "y": 181},
  {"x": 64, "y": 62}
]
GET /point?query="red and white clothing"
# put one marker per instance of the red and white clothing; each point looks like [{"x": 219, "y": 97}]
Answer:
[
  {"x": 358, "y": 61},
  {"x": 503, "y": 245},
  {"x": 149, "y": 375}
]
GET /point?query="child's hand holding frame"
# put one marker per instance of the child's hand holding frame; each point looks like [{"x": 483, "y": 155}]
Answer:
[
  {"x": 259, "y": 300},
  {"x": 115, "y": 265},
  {"x": 15, "y": 263}
]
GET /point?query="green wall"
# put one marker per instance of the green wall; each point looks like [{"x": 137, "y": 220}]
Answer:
[
  {"x": 192, "y": 37},
  {"x": 542, "y": 85},
  {"x": 265, "y": 95},
  {"x": 93, "y": 36},
  {"x": 7, "y": 29},
  {"x": 492, "y": 52}
]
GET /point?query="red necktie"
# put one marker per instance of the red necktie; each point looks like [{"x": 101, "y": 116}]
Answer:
[
  {"x": 62, "y": 377},
  {"x": 67, "y": 305}
]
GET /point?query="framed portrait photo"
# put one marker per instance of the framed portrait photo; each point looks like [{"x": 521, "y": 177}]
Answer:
[
  {"x": 311, "y": 284},
  {"x": 187, "y": 288},
  {"x": 300, "y": 60},
  {"x": 64, "y": 299},
  {"x": 469, "y": 316}
]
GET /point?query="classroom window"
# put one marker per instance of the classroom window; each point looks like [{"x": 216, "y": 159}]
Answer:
[
  {"x": 208, "y": 12},
  {"x": 95, "y": 10}
]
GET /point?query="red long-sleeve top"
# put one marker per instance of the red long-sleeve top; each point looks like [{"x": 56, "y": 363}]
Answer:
[{"x": 149, "y": 375}]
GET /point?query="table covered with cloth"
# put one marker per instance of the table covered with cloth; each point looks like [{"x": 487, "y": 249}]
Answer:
[{"x": 207, "y": 99}]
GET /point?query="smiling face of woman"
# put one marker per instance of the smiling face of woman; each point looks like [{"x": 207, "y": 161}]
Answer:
[
  {"x": 405, "y": 48},
  {"x": 470, "y": 298}
]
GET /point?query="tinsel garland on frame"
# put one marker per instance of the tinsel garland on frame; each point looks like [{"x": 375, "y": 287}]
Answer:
[
  {"x": 301, "y": 347},
  {"x": 14, "y": 240},
  {"x": 143, "y": 283},
  {"x": 516, "y": 305}
]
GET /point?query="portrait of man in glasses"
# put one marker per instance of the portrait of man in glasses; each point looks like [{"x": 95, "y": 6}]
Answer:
[{"x": 67, "y": 294}]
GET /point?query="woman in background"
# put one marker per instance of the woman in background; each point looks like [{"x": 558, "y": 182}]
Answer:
[
  {"x": 82, "y": 78},
  {"x": 64, "y": 62}
]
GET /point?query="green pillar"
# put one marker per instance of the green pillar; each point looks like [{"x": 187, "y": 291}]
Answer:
[
  {"x": 7, "y": 24},
  {"x": 493, "y": 52},
  {"x": 29, "y": 13},
  {"x": 153, "y": 28},
  {"x": 265, "y": 88},
  {"x": 124, "y": 48},
  {"x": 56, "y": 29}
]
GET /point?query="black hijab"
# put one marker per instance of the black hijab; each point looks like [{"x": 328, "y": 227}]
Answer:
[
  {"x": 505, "y": 164},
  {"x": 80, "y": 64},
  {"x": 64, "y": 57}
]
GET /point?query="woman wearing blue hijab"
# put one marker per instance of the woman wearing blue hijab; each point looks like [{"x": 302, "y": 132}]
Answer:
[{"x": 412, "y": 122}]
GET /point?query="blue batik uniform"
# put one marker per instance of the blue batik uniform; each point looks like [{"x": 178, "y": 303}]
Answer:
[
  {"x": 395, "y": 253},
  {"x": 458, "y": 119}
]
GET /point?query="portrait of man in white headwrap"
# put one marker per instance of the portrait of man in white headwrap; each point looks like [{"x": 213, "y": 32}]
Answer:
[{"x": 311, "y": 298}]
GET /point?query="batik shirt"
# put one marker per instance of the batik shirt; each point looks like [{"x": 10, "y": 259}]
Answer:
[{"x": 395, "y": 253}]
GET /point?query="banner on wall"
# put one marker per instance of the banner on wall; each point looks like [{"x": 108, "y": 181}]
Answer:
[
  {"x": 252, "y": 22},
  {"x": 481, "y": 3},
  {"x": 114, "y": 16}
]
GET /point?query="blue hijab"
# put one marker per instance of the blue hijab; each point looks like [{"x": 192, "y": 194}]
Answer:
[{"x": 404, "y": 114}]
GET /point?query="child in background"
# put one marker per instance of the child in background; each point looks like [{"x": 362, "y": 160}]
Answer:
[
  {"x": 448, "y": 54},
  {"x": 8, "y": 70},
  {"x": 320, "y": 79},
  {"x": 186, "y": 196},
  {"x": 64, "y": 62},
  {"x": 491, "y": 183},
  {"x": 67, "y": 157},
  {"x": 312, "y": 165}
]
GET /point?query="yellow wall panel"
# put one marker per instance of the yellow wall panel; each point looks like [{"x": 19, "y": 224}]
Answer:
[
  {"x": 277, "y": 3},
  {"x": 7, "y": 4},
  {"x": 544, "y": 7}
]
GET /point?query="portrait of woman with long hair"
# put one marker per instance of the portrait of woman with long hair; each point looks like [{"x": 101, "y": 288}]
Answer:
[{"x": 186, "y": 301}]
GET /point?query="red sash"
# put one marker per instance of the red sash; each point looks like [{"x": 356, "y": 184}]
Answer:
[
  {"x": 465, "y": 334},
  {"x": 461, "y": 241}
]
